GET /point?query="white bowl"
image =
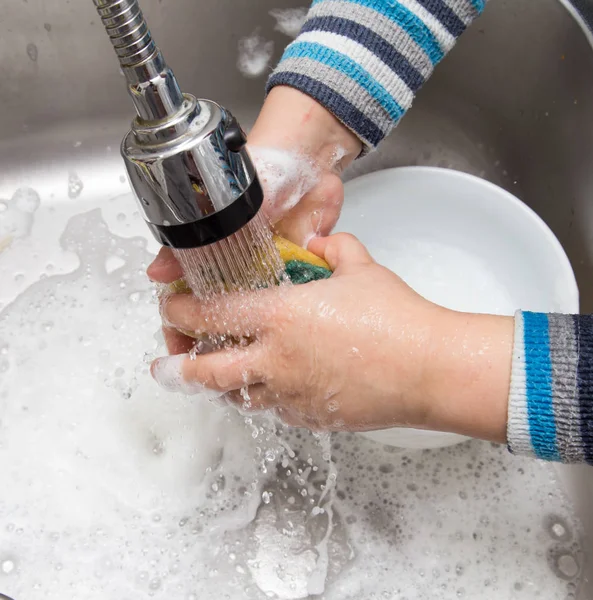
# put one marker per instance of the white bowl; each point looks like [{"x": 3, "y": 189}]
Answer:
[{"x": 461, "y": 242}]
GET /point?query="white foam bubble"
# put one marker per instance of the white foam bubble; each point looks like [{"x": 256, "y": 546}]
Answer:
[
  {"x": 75, "y": 185},
  {"x": 16, "y": 215},
  {"x": 289, "y": 20},
  {"x": 255, "y": 54},
  {"x": 286, "y": 175}
]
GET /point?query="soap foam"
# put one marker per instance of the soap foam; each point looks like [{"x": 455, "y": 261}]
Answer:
[
  {"x": 289, "y": 20},
  {"x": 114, "y": 488},
  {"x": 255, "y": 54},
  {"x": 16, "y": 215},
  {"x": 286, "y": 176}
]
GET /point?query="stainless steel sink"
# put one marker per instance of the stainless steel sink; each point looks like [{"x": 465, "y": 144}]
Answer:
[{"x": 513, "y": 103}]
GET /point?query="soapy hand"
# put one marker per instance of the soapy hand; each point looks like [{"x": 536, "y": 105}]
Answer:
[
  {"x": 300, "y": 149},
  {"x": 358, "y": 351}
]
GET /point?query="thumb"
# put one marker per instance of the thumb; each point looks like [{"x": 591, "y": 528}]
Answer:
[{"x": 341, "y": 251}]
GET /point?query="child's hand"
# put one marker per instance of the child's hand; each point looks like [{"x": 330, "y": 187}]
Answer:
[
  {"x": 358, "y": 351},
  {"x": 300, "y": 149}
]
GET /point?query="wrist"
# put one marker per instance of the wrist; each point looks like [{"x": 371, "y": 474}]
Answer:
[
  {"x": 468, "y": 374},
  {"x": 292, "y": 120}
]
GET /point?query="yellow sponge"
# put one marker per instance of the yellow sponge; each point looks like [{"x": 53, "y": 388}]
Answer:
[{"x": 289, "y": 251}]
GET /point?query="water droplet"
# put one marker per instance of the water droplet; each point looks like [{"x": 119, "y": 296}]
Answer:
[
  {"x": 75, "y": 185},
  {"x": 32, "y": 52},
  {"x": 558, "y": 530},
  {"x": 266, "y": 497},
  {"x": 155, "y": 584},
  {"x": 7, "y": 566},
  {"x": 26, "y": 200},
  {"x": 567, "y": 565}
]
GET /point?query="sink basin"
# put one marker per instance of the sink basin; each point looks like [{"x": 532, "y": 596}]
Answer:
[{"x": 511, "y": 104}]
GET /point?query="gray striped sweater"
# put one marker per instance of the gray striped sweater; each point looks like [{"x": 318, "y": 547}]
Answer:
[{"x": 364, "y": 60}]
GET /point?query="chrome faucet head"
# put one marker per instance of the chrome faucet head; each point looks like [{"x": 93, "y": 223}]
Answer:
[{"x": 186, "y": 157}]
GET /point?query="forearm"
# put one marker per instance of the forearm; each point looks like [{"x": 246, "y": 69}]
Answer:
[
  {"x": 364, "y": 60},
  {"x": 527, "y": 381},
  {"x": 468, "y": 373}
]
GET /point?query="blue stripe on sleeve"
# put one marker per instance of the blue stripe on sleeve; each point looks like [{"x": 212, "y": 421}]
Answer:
[
  {"x": 344, "y": 64},
  {"x": 373, "y": 42},
  {"x": 409, "y": 22},
  {"x": 538, "y": 371}
]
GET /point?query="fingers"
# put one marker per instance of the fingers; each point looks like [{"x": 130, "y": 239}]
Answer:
[
  {"x": 233, "y": 314},
  {"x": 332, "y": 205},
  {"x": 221, "y": 371},
  {"x": 177, "y": 342},
  {"x": 292, "y": 418},
  {"x": 227, "y": 370},
  {"x": 316, "y": 213},
  {"x": 164, "y": 268},
  {"x": 255, "y": 397},
  {"x": 341, "y": 251}
]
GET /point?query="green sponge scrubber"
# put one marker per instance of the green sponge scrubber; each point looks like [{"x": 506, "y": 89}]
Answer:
[{"x": 303, "y": 272}]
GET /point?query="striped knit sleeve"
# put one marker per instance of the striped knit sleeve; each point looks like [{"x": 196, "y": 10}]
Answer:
[
  {"x": 551, "y": 396},
  {"x": 364, "y": 60}
]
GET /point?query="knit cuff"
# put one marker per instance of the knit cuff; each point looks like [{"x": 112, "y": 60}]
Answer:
[
  {"x": 364, "y": 60},
  {"x": 551, "y": 401}
]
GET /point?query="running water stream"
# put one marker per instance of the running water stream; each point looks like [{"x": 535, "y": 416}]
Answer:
[{"x": 245, "y": 261}]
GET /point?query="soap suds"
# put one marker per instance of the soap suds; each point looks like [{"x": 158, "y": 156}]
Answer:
[
  {"x": 286, "y": 177},
  {"x": 115, "y": 488},
  {"x": 289, "y": 20},
  {"x": 17, "y": 214},
  {"x": 167, "y": 372},
  {"x": 255, "y": 54}
]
